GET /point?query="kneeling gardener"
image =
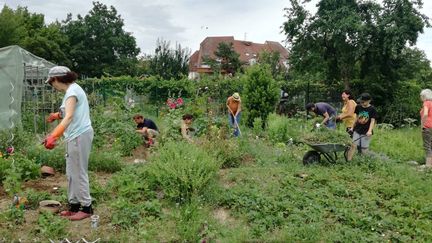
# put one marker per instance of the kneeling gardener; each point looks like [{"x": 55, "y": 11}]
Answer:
[{"x": 147, "y": 128}]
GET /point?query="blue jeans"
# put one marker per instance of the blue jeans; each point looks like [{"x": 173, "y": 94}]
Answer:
[
  {"x": 331, "y": 123},
  {"x": 234, "y": 124}
]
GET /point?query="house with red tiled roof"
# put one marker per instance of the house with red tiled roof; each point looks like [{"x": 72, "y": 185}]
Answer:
[{"x": 249, "y": 52}]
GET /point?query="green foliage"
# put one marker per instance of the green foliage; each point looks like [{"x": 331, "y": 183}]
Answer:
[
  {"x": 407, "y": 103},
  {"x": 169, "y": 63},
  {"x": 34, "y": 197},
  {"x": 50, "y": 226},
  {"x": 130, "y": 184},
  {"x": 227, "y": 151},
  {"x": 21, "y": 139},
  {"x": 362, "y": 45},
  {"x": 272, "y": 59},
  {"x": 16, "y": 169},
  {"x": 105, "y": 161},
  {"x": 182, "y": 170},
  {"x": 128, "y": 215},
  {"x": 226, "y": 59},
  {"x": 261, "y": 93},
  {"x": 28, "y": 30},
  {"x": 282, "y": 129},
  {"x": 192, "y": 222},
  {"x": 12, "y": 217},
  {"x": 360, "y": 202},
  {"x": 324, "y": 135},
  {"x": 156, "y": 88},
  {"x": 99, "y": 45},
  {"x": 401, "y": 145},
  {"x": 54, "y": 158},
  {"x": 115, "y": 127}
]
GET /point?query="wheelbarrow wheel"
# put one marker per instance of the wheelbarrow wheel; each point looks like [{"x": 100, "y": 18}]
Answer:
[{"x": 311, "y": 157}]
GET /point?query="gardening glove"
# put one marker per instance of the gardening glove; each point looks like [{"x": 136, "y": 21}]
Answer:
[
  {"x": 53, "y": 116},
  {"x": 50, "y": 140}
]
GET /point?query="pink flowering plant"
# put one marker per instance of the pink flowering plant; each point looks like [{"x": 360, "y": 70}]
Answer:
[{"x": 174, "y": 103}]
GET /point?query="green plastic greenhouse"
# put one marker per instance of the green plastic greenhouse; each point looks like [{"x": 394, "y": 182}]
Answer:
[{"x": 22, "y": 87}]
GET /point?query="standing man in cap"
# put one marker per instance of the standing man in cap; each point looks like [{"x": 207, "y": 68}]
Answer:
[
  {"x": 363, "y": 126},
  {"x": 77, "y": 130},
  {"x": 234, "y": 108}
]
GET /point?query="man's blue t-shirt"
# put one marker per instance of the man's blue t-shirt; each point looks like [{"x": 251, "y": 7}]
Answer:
[{"x": 322, "y": 107}]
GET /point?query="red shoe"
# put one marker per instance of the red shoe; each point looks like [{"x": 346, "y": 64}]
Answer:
[
  {"x": 79, "y": 216},
  {"x": 67, "y": 213}
]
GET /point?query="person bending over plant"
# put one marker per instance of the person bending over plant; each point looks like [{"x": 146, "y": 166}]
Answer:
[{"x": 147, "y": 128}]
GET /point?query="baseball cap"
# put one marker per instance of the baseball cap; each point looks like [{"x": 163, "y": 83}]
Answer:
[
  {"x": 57, "y": 71},
  {"x": 365, "y": 97}
]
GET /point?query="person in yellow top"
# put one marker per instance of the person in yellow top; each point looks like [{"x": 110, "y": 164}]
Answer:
[
  {"x": 234, "y": 108},
  {"x": 348, "y": 116}
]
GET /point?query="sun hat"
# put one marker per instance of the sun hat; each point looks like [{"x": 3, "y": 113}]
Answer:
[
  {"x": 236, "y": 96},
  {"x": 57, "y": 71}
]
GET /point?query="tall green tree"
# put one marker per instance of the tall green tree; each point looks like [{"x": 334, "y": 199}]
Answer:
[
  {"x": 99, "y": 44},
  {"x": 12, "y": 29},
  {"x": 169, "y": 63},
  {"x": 272, "y": 58},
  {"x": 354, "y": 44},
  {"x": 227, "y": 59},
  {"x": 29, "y": 30}
]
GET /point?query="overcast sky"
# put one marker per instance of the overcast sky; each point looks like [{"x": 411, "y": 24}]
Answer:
[{"x": 188, "y": 22}]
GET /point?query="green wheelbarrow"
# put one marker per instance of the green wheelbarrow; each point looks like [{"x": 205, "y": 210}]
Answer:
[{"x": 328, "y": 151}]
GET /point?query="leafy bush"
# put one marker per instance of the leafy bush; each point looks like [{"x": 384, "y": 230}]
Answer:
[
  {"x": 54, "y": 158},
  {"x": 130, "y": 184},
  {"x": 261, "y": 93},
  {"x": 282, "y": 129},
  {"x": 227, "y": 152},
  {"x": 182, "y": 170},
  {"x": 21, "y": 139},
  {"x": 34, "y": 197},
  {"x": 114, "y": 129},
  {"x": 16, "y": 169}
]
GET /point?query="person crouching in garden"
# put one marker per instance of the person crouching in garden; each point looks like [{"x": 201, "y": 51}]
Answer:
[
  {"x": 426, "y": 124},
  {"x": 348, "y": 115},
  {"x": 147, "y": 128},
  {"x": 234, "y": 108},
  {"x": 77, "y": 130},
  {"x": 363, "y": 126},
  {"x": 325, "y": 110},
  {"x": 185, "y": 128}
]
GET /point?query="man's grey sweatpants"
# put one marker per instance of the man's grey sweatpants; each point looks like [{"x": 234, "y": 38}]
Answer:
[{"x": 77, "y": 157}]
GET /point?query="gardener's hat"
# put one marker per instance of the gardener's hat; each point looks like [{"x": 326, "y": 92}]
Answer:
[
  {"x": 57, "y": 71},
  {"x": 236, "y": 96}
]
